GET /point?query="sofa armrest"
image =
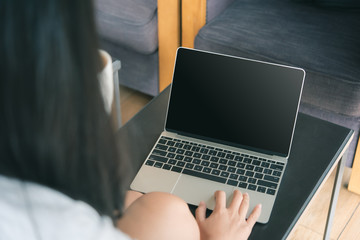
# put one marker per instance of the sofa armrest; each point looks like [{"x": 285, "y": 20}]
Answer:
[{"x": 169, "y": 39}]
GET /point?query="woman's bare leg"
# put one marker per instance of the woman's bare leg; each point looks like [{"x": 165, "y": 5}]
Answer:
[
  {"x": 158, "y": 216},
  {"x": 130, "y": 197}
]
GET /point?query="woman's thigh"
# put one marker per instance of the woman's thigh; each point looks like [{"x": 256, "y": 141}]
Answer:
[{"x": 159, "y": 216}]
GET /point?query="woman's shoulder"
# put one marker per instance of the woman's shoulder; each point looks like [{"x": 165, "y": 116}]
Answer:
[{"x": 38, "y": 212}]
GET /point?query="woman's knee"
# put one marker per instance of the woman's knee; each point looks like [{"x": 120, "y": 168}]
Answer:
[{"x": 159, "y": 215}]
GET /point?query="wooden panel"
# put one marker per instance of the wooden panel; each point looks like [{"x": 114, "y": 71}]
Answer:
[
  {"x": 193, "y": 18},
  {"x": 354, "y": 183},
  {"x": 301, "y": 233},
  {"x": 169, "y": 39}
]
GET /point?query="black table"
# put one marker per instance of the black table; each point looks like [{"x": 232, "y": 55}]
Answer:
[{"x": 318, "y": 146}]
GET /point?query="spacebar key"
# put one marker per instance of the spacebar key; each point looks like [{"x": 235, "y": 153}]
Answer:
[{"x": 203, "y": 175}]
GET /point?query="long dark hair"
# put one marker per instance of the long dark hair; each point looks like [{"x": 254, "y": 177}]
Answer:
[{"x": 53, "y": 126}]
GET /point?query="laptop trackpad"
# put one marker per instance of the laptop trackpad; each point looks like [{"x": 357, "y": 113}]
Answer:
[
  {"x": 193, "y": 190},
  {"x": 151, "y": 179}
]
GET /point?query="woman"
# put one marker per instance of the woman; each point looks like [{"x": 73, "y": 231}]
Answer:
[{"x": 60, "y": 174}]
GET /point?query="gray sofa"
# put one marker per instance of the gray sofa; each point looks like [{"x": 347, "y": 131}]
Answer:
[
  {"x": 323, "y": 37},
  {"x": 129, "y": 31}
]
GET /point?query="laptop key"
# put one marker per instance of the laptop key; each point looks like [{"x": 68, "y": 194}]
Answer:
[
  {"x": 180, "y": 151},
  {"x": 189, "y": 166},
  {"x": 215, "y": 172},
  {"x": 276, "y": 173},
  {"x": 234, "y": 176},
  {"x": 179, "y": 145},
  {"x": 187, "y": 147},
  {"x": 247, "y": 160},
  {"x": 205, "y": 163},
  {"x": 271, "y": 178},
  {"x": 212, "y": 152},
  {"x": 240, "y": 165},
  {"x": 276, "y": 167},
  {"x": 205, "y": 157},
  {"x": 240, "y": 171},
  {"x": 171, "y": 155},
  {"x": 188, "y": 159},
  {"x": 267, "y": 171},
  {"x": 214, "y": 165},
  {"x": 176, "y": 169},
  {"x": 267, "y": 184},
  {"x": 242, "y": 185},
  {"x": 252, "y": 180},
  {"x": 229, "y": 156},
  {"x": 261, "y": 189},
  {"x": 256, "y": 162},
  {"x": 204, "y": 175},
  {"x": 172, "y": 162},
  {"x": 149, "y": 163},
  {"x": 223, "y": 161},
  {"x": 158, "y": 164},
  {"x": 270, "y": 191},
  {"x": 167, "y": 167},
  {"x": 159, "y": 152},
  {"x": 222, "y": 167},
  {"x": 252, "y": 187},
  {"x": 188, "y": 153},
  {"x": 232, "y": 163},
  {"x": 243, "y": 178},
  {"x": 161, "y": 147},
  {"x": 206, "y": 170},
  {"x": 249, "y": 167},
  {"x": 158, "y": 158},
  {"x": 224, "y": 174},
  {"x": 171, "y": 149},
  {"x": 198, "y": 168},
  {"x": 249, "y": 173},
  {"x": 196, "y": 161},
  {"x": 232, "y": 182},
  {"x": 180, "y": 164}
]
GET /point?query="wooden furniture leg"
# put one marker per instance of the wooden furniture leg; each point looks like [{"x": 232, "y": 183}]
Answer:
[{"x": 169, "y": 39}]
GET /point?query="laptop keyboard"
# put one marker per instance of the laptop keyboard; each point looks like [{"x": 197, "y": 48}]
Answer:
[{"x": 215, "y": 164}]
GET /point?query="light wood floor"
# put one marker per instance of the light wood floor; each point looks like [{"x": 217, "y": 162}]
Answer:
[{"x": 311, "y": 225}]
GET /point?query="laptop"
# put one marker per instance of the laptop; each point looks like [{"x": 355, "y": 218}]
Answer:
[{"x": 229, "y": 125}]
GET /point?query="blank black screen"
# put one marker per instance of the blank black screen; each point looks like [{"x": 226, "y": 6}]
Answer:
[{"x": 230, "y": 100}]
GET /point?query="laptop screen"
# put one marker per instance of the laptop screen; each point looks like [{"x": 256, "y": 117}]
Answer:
[{"x": 234, "y": 101}]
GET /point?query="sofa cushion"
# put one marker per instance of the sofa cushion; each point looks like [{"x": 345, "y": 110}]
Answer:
[
  {"x": 129, "y": 23},
  {"x": 323, "y": 41}
]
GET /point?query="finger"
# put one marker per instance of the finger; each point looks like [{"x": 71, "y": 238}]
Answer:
[
  {"x": 254, "y": 216},
  {"x": 200, "y": 212},
  {"x": 220, "y": 200},
  {"x": 236, "y": 201},
  {"x": 244, "y": 206}
]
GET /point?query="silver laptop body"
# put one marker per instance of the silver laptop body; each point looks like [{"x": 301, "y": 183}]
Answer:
[{"x": 229, "y": 125}]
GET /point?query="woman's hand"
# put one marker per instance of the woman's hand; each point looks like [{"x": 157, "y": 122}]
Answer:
[{"x": 227, "y": 223}]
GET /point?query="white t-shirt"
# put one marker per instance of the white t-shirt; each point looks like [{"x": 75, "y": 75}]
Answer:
[{"x": 34, "y": 212}]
